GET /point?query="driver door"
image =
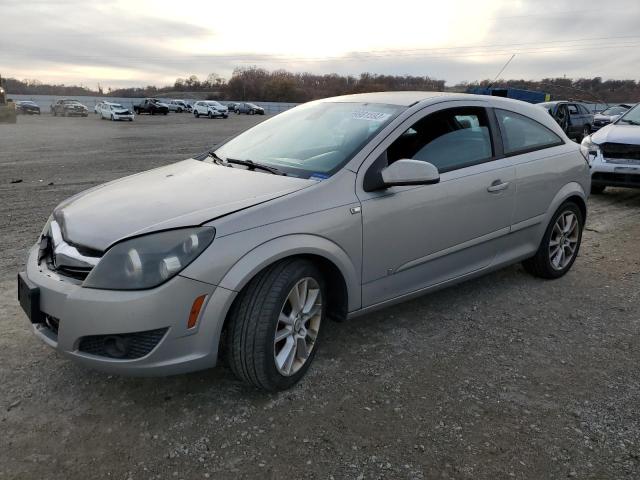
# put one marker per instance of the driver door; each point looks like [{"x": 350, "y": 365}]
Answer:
[{"x": 416, "y": 237}]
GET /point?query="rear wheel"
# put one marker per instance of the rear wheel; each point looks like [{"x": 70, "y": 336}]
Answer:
[
  {"x": 274, "y": 325},
  {"x": 597, "y": 189},
  {"x": 560, "y": 244}
]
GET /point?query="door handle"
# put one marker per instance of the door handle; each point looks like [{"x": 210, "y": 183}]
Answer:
[{"x": 497, "y": 186}]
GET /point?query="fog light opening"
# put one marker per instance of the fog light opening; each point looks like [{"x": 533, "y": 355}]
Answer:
[{"x": 116, "y": 346}]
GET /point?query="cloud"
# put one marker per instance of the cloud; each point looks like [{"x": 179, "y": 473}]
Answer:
[{"x": 123, "y": 43}]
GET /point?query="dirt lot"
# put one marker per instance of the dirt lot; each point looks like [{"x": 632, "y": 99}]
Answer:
[{"x": 503, "y": 377}]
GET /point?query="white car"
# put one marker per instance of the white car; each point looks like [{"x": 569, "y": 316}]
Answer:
[
  {"x": 614, "y": 153},
  {"x": 210, "y": 108},
  {"x": 96, "y": 109},
  {"x": 114, "y": 111}
]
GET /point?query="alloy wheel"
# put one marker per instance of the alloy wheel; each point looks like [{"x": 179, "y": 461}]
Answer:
[
  {"x": 297, "y": 327},
  {"x": 564, "y": 238}
]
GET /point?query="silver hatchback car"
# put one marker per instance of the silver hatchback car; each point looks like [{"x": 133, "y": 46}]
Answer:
[{"x": 333, "y": 209}]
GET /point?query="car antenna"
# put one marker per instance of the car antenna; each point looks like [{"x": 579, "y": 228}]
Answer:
[{"x": 503, "y": 69}]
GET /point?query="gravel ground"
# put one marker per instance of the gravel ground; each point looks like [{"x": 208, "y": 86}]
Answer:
[{"x": 506, "y": 376}]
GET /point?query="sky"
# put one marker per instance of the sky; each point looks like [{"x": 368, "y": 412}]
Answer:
[{"x": 124, "y": 43}]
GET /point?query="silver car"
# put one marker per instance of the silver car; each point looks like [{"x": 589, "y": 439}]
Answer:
[{"x": 333, "y": 209}]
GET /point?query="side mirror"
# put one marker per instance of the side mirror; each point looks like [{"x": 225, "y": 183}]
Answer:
[{"x": 410, "y": 172}]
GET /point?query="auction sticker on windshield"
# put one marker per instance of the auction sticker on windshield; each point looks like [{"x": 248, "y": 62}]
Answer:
[{"x": 369, "y": 115}]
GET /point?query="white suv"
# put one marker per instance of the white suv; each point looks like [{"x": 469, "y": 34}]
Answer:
[
  {"x": 210, "y": 108},
  {"x": 614, "y": 153}
]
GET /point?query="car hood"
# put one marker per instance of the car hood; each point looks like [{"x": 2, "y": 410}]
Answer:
[
  {"x": 187, "y": 193},
  {"x": 618, "y": 133}
]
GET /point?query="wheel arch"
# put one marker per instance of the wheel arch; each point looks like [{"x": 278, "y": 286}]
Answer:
[{"x": 340, "y": 273}]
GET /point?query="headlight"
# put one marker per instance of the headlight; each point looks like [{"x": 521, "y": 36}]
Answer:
[
  {"x": 147, "y": 261},
  {"x": 589, "y": 149}
]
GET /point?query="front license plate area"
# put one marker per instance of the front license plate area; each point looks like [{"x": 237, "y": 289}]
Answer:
[{"x": 29, "y": 298}]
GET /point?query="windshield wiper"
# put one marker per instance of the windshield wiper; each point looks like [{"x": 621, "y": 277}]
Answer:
[
  {"x": 247, "y": 163},
  {"x": 253, "y": 165}
]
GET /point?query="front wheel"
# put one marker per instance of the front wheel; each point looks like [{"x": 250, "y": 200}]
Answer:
[
  {"x": 196, "y": 114},
  {"x": 210, "y": 115},
  {"x": 560, "y": 244},
  {"x": 274, "y": 325}
]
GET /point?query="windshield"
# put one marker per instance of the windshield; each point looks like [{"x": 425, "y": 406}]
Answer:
[
  {"x": 632, "y": 117},
  {"x": 115, "y": 106},
  {"x": 614, "y": 111},
  {"x": 314, "y": 139},
  {"x": 214, "y": 104}
]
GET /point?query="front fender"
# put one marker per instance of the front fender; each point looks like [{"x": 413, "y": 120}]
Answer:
[{"x": 290, "y": 245}]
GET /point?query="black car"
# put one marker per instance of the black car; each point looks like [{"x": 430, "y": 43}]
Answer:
[
  {"x": 249, "y": 109},
  {"x": 27, "y": 107},
  {"x": 575, "y": 119}
]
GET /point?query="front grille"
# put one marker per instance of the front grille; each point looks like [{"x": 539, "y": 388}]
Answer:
[
  {"x": 616, "y": 179},
  {"x": 620, "y": 151},
  {"x": 126, "y": 346},
  {"x": 79, "y": 273}
]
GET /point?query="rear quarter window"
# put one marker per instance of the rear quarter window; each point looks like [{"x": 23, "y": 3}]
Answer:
[{"x": 522, "y": 134}]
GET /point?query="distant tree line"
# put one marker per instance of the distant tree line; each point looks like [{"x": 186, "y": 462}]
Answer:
[{"x": 258, "y": 84}]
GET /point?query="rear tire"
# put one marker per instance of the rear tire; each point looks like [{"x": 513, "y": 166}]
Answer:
[
  {"x": 210, "y": 115},
  {"x": 196, "y": 114},
  {"x": 564, "y": 241},
  {"x": 263, "y": 309},
  {"x": 597, "y": 189}
]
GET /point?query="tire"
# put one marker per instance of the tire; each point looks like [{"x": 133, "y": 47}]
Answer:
[
  {"x": 250, "y": 343},
  {"x": 210, "y": 115},
  {"x": 251, "y": 112},
  {"x": 112, "y": 119},
  {"x": 597, "y": 189},
  {"x": 196, "y": 114},
  {"x": 540, "y": 265},
  {"x": 164, "y": 113}
]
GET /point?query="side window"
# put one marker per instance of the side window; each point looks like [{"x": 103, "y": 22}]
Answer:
[
  {"x": 449, "y": 139},
  {"x": 520, "y": 133},
  {"x": 573, "y": 109},
  {"x": 584, "y": 110}
]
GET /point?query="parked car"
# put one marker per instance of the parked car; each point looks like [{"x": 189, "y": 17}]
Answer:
[
  {"x": 608, "y": 116},
  {"x": 574, "y": 118},
  {"x": 27, "y": 107},
  {"x": 332, "y": 209},
  {"x": 96, "y": 108},
  {"x": 249, "y": 109},
  {"x": 151, "y": 106},
  {"x": 68, "y": 108},
  {"x": 114, "y": 112},
  {"x": 210, "y": 108},
  {"x": 178, "y": 106},
  {"x": 614, "y": 153},
  {"x": 231, "y": 106}
]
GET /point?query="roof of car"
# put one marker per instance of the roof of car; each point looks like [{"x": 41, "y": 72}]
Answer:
[{"x": 405, "y": 99}]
